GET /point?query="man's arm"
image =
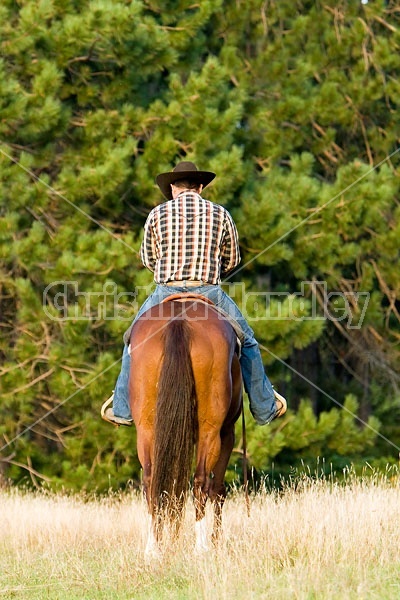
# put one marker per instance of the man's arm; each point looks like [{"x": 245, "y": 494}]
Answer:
[
  {"x": 230, "y": 253},
  {"x": 148, "y": 251}
]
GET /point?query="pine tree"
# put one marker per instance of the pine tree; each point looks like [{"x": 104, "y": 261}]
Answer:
[{"x": 293, "y": 105}]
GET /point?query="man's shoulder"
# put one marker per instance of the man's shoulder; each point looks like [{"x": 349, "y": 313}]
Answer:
[
  {"x": 216, "y": 207},
  {"x": 222, "y": 210},
  {"x": 157, "y": 209}
]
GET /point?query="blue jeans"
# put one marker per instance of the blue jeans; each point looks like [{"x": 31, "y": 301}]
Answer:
[{"x": 256, "y": 382}]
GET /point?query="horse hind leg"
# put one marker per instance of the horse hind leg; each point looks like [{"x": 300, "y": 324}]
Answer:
[
  {"x": 200, "y": 494},
  {"x": 201, "y": 533},
  {"x": 164, "y": 525},
  {"x": 207, "y": 456},
  {"x": 152, "y": 549},
  {"x": 217, "y": 490}
]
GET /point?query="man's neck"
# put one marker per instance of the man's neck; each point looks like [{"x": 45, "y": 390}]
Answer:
[{"x": 186, "y": 191}]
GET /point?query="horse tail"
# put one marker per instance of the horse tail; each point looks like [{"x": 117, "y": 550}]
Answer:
[{"x": 175, "y": 423}]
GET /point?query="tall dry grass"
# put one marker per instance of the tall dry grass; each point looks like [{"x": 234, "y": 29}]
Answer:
[{"x": 313, "y": 540}]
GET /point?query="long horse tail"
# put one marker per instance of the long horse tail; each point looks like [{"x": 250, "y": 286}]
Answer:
[{"x": 175, "y": 424}]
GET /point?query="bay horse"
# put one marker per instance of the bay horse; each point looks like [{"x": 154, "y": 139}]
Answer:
[{"x": 186, "y": 395}]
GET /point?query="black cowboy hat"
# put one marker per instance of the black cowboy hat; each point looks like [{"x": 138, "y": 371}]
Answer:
[{"x": 183, "y": 170}]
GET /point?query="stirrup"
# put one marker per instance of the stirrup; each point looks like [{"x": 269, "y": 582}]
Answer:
[
  {"x": 281, "y": 405},
  {"x": 106, "y": 404}
]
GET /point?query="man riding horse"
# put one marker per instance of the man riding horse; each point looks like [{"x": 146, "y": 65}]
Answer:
[{"x": 190, "y": 244}]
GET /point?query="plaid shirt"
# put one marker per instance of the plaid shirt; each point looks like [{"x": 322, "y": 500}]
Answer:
[{"x": 189, "y": 238}]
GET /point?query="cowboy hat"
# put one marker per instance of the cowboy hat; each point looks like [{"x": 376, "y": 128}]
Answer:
[{"x": 183, "y": 170}]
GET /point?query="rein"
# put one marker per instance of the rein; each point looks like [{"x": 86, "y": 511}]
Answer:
[{"x": 244, "y": 458}]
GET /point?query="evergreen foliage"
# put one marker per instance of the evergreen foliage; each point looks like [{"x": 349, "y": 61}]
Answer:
[{"x": 294, "y": 106}]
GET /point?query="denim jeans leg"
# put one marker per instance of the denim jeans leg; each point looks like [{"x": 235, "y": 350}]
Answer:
[
  {"x": 256, "y": 383},
  {"x": 121, "y": 405}
]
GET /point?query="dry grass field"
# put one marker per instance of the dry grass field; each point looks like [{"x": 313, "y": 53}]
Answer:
[{"x": 314, "y": 540}]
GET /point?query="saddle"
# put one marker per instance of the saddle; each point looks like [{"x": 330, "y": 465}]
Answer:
[{"x": 190, "y": 296}]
